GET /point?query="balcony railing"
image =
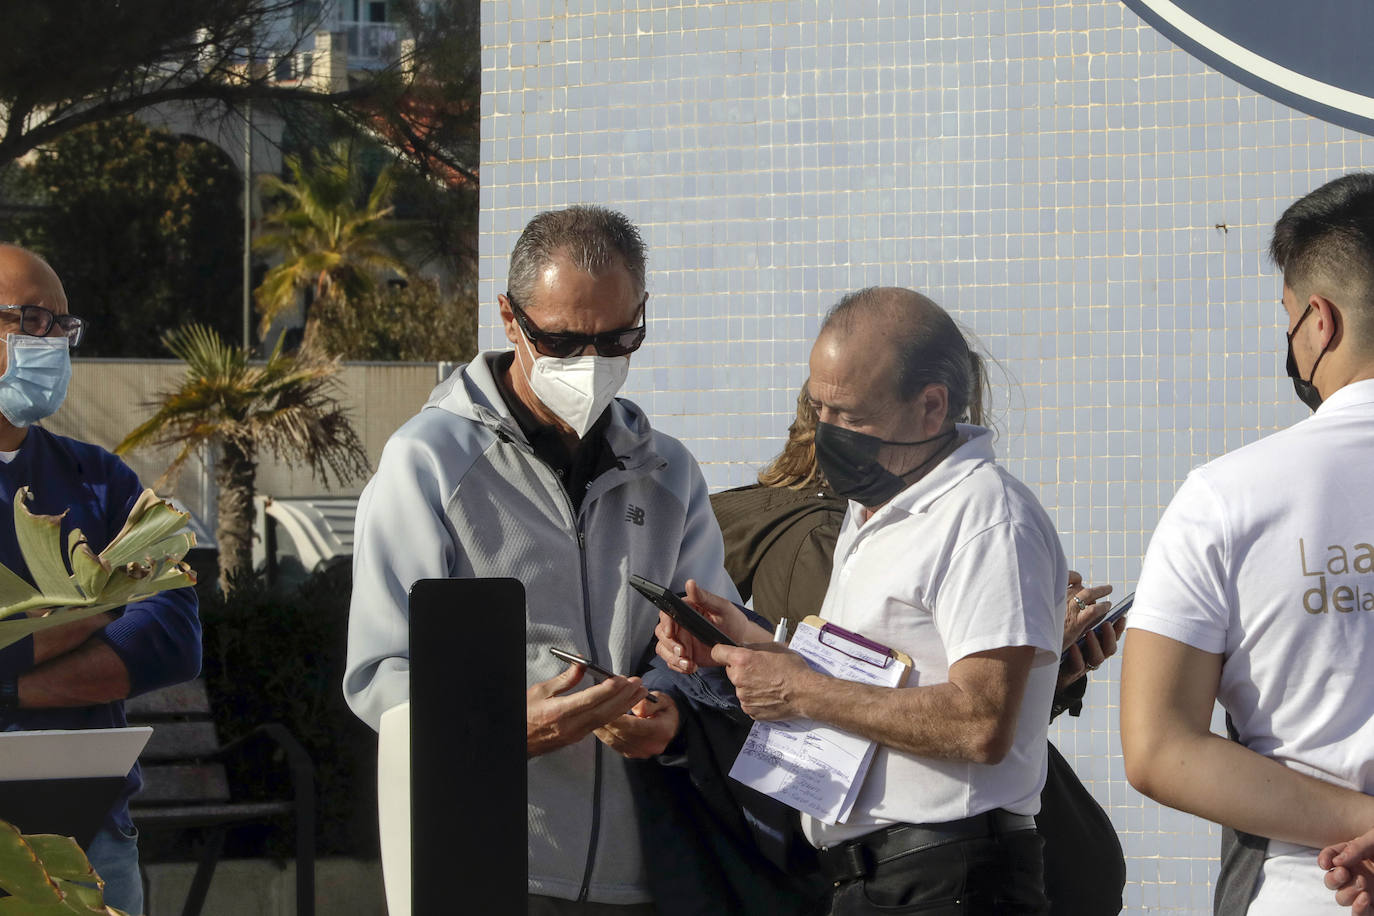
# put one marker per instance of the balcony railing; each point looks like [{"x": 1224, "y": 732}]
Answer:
[{"x": 372, "y": 44}]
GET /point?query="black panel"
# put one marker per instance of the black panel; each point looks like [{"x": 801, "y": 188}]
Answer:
[{"x": 467, "y": 734}]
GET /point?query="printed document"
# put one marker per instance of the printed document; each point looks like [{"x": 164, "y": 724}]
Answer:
[{"x": 813, "y": 767}]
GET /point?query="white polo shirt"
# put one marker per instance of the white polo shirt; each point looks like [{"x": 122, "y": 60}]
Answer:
[
  {"x": 964, "y": 560},
  {"x": 1264, "y": 556}
]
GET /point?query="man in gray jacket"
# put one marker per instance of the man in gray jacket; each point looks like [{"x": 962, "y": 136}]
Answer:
[{"x": 524, "y": 464}]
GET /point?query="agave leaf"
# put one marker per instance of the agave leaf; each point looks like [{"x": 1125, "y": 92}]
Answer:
[
  {"x": 80, "y": 898},
  {"x": 141, "y": 505},
  {"x": 40, "y": 540},
  {"x": 176, "y": 575},
  {"x": 11, "y": 631},
  {"x": 90, "y": 571},
  {"x": 21, "y": 874},
  {"x": 170, "y": 549},
  {"x": 150, "y": 521},
  {"x": 15, "y": 591},
  {"x": 61, "y": 857}
]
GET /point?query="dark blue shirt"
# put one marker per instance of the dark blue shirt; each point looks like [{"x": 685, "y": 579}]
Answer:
[{"x": 158, "y": 639}]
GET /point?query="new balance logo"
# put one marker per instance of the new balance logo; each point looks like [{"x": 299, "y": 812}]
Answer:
[{"x": 635, "y": 515}]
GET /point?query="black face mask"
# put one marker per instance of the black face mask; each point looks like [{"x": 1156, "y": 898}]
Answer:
[
  {"x": 1306, "y": 391},
  {"x": 849, "y": 461}
]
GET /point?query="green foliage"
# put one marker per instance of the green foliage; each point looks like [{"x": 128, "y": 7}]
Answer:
[
  {"x": 415, "y": 323},
  {"x": 47, "y": 875},
  {"x": 145, "y": 230},
  {"x": 143, "y": 559},
  {"x": 333, "y": 233},
  {"x": 285, "y": 406},
  {"x": 278, "y": 656},
  {"x": 126, "y": 56}
]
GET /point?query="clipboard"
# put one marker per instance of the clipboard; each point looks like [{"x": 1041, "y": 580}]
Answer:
[
  {"x": 860, "y": 648},
  {"x": 811, "y": 766}
]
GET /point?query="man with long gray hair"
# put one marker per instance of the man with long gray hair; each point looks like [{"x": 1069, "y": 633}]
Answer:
[
  {"x": 525, "y": 464},
  {"x": 943, "y": 556}
]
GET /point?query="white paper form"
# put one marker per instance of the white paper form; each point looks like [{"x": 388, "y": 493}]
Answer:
[{"x": 813, "y": 767}]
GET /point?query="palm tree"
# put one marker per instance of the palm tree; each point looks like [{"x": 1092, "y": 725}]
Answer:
[
  {"x": 285, "y": 405},
  {"x": 334, "y": 237}
]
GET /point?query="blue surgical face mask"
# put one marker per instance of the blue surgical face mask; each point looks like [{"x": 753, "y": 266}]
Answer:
[{"x": 35, "y": 380}]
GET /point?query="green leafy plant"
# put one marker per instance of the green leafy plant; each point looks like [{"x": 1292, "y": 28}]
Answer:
[
  {"x": 278, "y": 655},
  {"x": 48, "y": 875},
  {"x": 73, "y": 582},
  {"x": 334, "y": 233},
  {"x": 240, "y": 408}
]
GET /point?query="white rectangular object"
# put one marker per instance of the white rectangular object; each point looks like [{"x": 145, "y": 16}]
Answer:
[
  {"x": 71, "y": 753},
  {"x": 813, "y": 767}
]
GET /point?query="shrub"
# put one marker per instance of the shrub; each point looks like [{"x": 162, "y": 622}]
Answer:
[{"x": 278, "y": 656}]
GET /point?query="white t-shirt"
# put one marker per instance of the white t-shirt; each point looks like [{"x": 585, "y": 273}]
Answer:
[
  {"x": 964, "y": 560},
  {"x": 1264, "y": 556}
]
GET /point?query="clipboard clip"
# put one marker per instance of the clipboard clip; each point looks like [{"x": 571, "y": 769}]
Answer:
[{"x": 860, "y": 648}]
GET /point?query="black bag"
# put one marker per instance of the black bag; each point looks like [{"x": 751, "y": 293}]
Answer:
[{"x": 1085, "y": 869}]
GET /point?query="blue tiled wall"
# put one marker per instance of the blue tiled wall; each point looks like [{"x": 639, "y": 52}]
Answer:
[{"x": 1091, "y": 202}]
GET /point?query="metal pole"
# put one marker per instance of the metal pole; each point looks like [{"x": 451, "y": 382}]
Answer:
[{"x": 247, "y": 224}]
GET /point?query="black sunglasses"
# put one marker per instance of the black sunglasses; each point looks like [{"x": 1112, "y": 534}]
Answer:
[
  {"x": 562, "y": 345},
  {"x": 36, "y": 321}
]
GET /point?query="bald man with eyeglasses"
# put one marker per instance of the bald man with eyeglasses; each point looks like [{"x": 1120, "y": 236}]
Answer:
[
  {"x": 75, "y": 676},
  {"x": 525, "y": 464}
]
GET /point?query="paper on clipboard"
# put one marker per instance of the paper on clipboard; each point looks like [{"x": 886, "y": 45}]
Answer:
[{"x": 812, "y": 767}]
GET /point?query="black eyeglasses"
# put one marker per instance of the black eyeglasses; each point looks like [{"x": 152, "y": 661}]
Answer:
[
  {"x": 561, "y": 345},
  {"x": 37, "y": 321}
]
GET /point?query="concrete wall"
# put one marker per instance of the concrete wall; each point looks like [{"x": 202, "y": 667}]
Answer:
[{"x": 108, "y": 398}]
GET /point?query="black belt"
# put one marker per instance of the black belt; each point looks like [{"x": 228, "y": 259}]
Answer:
[{"x": 857, "y": 858}]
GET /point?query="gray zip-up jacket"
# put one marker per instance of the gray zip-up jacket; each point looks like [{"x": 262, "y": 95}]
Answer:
[{"x": 458, "y": 493}]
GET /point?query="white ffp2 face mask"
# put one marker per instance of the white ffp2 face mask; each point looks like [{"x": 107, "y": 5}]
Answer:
[{"x": 576, "y": 388}]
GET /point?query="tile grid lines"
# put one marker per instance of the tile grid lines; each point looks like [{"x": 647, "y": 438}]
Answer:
[{"x": 1054, "y": 172}]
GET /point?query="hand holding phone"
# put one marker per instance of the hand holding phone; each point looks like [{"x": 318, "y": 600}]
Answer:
[
  {"x": 686, "y": 616},
  {"x": 1112, "y": 616},
  {"x": 597, "y": 672}
]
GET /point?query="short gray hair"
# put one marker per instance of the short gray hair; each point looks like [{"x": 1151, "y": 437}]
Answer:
[{"x": 591, "y": 237}]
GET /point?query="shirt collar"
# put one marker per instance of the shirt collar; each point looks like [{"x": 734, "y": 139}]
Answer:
[{"x": 1361, "y": 392}]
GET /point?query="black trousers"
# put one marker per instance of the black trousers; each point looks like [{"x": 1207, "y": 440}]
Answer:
[{"x": 988, "y": 875}]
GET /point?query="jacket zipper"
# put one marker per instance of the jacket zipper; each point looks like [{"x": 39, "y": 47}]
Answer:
[
  {"x": 576, "y": 516},
  {"x": 596, "y": 745}
]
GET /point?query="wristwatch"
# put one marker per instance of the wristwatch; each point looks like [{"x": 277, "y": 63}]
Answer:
[{"x": 9, "y": 694}]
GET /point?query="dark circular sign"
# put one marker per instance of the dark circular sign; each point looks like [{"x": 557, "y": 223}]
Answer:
[{"x": 1313, "y": 56}]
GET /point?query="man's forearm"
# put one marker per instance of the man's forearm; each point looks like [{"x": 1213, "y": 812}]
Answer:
[
  {"x": 50, "y": 643},
  {"x": 1226, "y": 782},
  {"x": 1168, "y": 693},
  {"x": 88, "y": 675},
  {"x": 939, "y": 721},
  {"x": 971, "y": 717}
]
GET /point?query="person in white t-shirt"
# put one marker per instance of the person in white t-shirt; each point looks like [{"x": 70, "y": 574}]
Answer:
[
  {"x": 1258, "y": 589},
  {"x": 942, "y": 555}
]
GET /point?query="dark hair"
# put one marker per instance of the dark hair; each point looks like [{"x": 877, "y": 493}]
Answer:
[
  {"x": 930, "y": 348},
  {"x": 591, "y": 237},
  {"x": 796, "y": 467},
  {"x": 1327, "y": 237}
]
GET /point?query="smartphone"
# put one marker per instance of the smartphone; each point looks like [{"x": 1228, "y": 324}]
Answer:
[
  {"x": 693, "y": 622},
  {"x": 597, "y": 672},
  {"x": 1116, "y": 613}
]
